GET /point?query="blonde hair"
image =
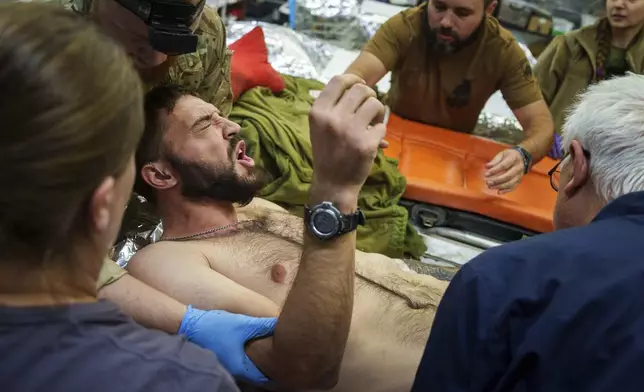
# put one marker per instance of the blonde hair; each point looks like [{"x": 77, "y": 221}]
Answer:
[{"x": 72, "y": 114}]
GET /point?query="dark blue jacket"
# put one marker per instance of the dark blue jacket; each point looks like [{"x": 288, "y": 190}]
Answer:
[{"x": 559, "y": 312}]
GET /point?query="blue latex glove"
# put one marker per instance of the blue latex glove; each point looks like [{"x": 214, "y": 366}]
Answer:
[
  {"x": 226, "y": 335},
  {"x": 556, "y": 152}
]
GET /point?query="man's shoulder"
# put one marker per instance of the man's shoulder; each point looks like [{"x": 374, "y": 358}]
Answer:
[
  {"x": 410, "y": 19},
  {"x": 605, "y": 245},
  {"x": 212, "y": 37},
  {"x": 498, "y": 36},
  {"x": 414, "y": 14},
  {"x": 164, "y": 246},
  {"x": 211, "y": 23},
  {"x": 163, "y": 252},
  {"x": 534, "y": 247}
]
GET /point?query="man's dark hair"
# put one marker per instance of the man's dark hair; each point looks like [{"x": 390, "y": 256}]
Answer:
[{"x": 158, "y": 103}]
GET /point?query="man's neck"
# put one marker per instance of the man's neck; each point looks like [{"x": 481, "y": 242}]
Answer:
[
  {"x": 622, "y": 38},
  {"x": 182, "y": 217}
]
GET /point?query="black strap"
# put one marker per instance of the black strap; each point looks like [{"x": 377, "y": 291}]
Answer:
[
  {"x": 352, "y": 221},
  {"x": 527, "y": 158}
]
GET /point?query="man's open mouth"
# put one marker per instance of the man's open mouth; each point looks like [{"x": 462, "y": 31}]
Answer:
[{"x": 241, "y": 156}]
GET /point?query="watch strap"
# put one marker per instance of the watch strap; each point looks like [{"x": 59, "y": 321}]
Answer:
[
  {"x": 527, "y": 158},
  {"x": 351, "y": 222},
  {"x": 348, "y": 222}
]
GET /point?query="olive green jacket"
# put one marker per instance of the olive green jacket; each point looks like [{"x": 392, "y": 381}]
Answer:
[{"x": 567, "y": 67}]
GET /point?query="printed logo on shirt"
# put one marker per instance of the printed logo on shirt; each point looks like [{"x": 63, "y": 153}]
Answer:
[{"x": 527, "y": 71}]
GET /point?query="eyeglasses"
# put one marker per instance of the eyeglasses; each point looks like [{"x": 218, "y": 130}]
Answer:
[{"x": 555, "y": 172}]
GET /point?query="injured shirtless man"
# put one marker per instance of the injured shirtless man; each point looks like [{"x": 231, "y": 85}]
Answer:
[{"x": 193, "y": 168}]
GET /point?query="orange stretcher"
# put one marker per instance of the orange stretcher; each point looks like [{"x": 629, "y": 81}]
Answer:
[{"x": 445, "y": 168}]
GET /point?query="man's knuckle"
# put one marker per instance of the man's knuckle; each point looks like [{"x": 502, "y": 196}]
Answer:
[
  {"x": 374, "y": 105},
  {"x": 365, "y": 90}
]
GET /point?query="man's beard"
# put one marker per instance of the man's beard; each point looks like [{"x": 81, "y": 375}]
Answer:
[
  {"x": 202, "y": 182},
  {"x": 440, "y": 46}
]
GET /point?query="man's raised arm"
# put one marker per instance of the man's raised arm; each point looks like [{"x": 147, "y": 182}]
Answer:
[{"x": 310, "y": 337}]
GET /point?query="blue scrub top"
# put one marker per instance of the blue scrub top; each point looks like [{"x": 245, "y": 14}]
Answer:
[{"x": 558, "y": 312}]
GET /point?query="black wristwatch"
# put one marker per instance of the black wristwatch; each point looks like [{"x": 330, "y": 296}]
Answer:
[
  {"x": 527, "y": 158},
  {"x": 324, "y": 221}
]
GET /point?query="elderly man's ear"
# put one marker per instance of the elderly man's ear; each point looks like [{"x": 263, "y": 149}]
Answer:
[
  {"x": 578, "y": 169},
  {"x": 158, "y": 175}
]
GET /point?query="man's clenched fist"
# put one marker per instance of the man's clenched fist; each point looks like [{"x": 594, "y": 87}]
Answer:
[{"x": 347, "y": 128}]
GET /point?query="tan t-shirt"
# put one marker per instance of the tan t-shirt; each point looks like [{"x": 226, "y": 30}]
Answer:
[{"x": 423, "y": 82}]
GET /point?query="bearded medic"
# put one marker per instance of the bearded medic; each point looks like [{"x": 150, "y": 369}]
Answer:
[{"x": 447, "y": 58}]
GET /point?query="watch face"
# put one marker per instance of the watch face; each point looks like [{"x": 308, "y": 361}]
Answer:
[{"x": 325, "y": 223}]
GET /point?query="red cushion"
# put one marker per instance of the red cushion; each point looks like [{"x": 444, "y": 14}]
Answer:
[{"x": 249, "y": 66}]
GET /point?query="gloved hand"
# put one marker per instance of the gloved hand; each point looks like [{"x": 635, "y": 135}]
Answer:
[
  {"x": 556, "y": 150},
  {"x": 226, "y": 334}
]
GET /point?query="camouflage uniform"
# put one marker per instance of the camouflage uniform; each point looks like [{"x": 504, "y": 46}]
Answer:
[{"x": 207, "y": 71}]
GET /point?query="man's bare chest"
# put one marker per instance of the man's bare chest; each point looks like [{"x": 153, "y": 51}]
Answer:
[{"x": 258, "y": 260}]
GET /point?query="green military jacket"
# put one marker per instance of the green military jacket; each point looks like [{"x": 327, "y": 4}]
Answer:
[{"x": 568, "y": 66}]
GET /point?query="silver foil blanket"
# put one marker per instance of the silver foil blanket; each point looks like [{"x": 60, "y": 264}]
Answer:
[
  {"x": 289, "y": 52},
  {"x": 336, "y": 21},
  {"x": 345, "y": 23},
  {"x": 123, "y": 251}
]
